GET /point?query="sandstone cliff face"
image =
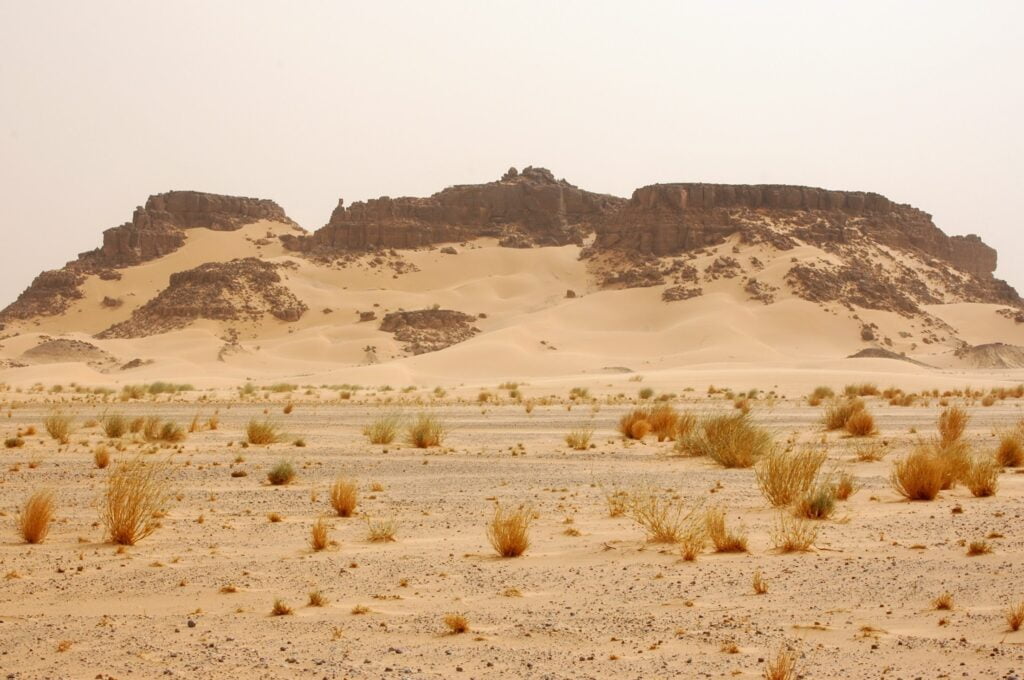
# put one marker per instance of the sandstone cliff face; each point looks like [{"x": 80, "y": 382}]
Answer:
[
  {"x": 665, "y": 219},
  {"x": 524, "y": 209},
  {"x": 155, "y": 230},
  {"x": 240, "y": 290}
]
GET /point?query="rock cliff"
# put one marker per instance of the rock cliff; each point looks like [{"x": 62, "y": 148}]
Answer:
[{"x": 523, "y": 209}]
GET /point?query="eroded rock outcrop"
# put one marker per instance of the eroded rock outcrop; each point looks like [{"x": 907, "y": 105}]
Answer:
[
  {"x": 240, "y": 290},
  {"x": 429, "y": 330},
  {"x": 523, "y": 209},
  {"x": 49, "y": 294}
]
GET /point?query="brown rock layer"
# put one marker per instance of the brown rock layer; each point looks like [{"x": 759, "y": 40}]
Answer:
[
  {"x": 240, "y": 290},
  {"x": 429, "y": 330},
  {"x": 525, "y": 209},
  {"x": 664, "y": 219}
]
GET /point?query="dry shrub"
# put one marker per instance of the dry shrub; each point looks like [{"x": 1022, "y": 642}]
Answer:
[
  {"x": 579, "y": 438},
  {"x": 288, "y": 408},
  {"x": 783, "y": 476},
  {"x": 151, "y": 428},
  {"x": 382, "y": 430},
  {"x": 955, "y": 458},
  {"x": 115, "y": 426},
  {"x": 136, "y": 425},
  {"x": 663, "y": 419},
  {"x": 195, "y": 425},
  {"x": 818, "y": 502},
  {"x": 344, "y": 496},
  {"x": 732, "y": 441},
  {"x": 723, "y": 540},
  {"x": 1015, "y": 616},
  {"x": 692, "y": 540},
  {"x": 509, "y": 530},
  {"x": 845, "y": 486},
  {"x": 988, "y": 400},
  {"x": 630, "y": 423},
  {"x": 14, "y": 442},
  {"x": 839, "y": 411},
  {"x": 316, "y": 599},
  {"x": 952, "y": 423},
  {"x": 456, "y": 623},
  {"x": 35, "y": 516},
  {"x": 1010, "y": 452},
  {"x": 426, "y": 432},
  {"x": 861, "y": 390},
  {"x": 919, "y": 475},
  {"x": 982, "y": 477},
  {"x": 262, "y": 433},
  {"x": 665, "y": 520},
  {"x": 759, "y": 584},
  {"x": 685, "y": 422},
  {"x": 820, "y": 394},
  {"x": 214, "y": 422},
  {"x": 976, "y": 548},
  {"x": 319, "y": 538},
  {"x": 281, "y": 474},
  {"x": 280, "y": 608},
  {"x": 944, "y": 601},
  {"x": 381, "y": 530},
  {"x": 782, "y": 667},
  {"x": 860, "y": 424},
  {"x": 137, "y": 492},
  {"x": 617, "y": 501},
  {"x": 870, "y": 452},
  {"x": 171, "y": 432},
  {"x": 58, "y": 426},
  {"x": 101, "y": 456},
  {"x": 794, "y": 534}
]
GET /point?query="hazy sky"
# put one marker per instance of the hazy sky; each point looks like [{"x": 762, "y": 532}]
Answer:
[{"x": 104, "y": 103}]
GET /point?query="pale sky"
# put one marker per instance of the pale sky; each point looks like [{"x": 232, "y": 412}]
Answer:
[{"x": 105, "y": 103}]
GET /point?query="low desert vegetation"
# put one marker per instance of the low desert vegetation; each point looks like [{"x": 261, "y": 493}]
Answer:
[
  {"x": 344, "y": 496},
  {"x": 784, "y": 476},
  {"x": 845, "y": 486},
  {"x": 456, "y": 623},
  {"x": 36, "y": 514},
  {"x": 281, "y": 608},
  {"x": 793, "y": 534},
  {"x": 861, "y": 390},
  {"x": 781, "y": 667},
  {"x": 137, "y": 493},
  {"x": 316, "y": 599},
  {"x": 319, "y": 537},
  {"x": 579, "y": 437},
  {"x": 382, "y": 430},
  {"x": 982, "y": 477},
  {"x": 664, "y": 519},
  {"x": 617, "y": 501},
  {"x": 281, "y": 474},
  {"x": 262, "y": 433},
  {"x": 1010, "y": 452},
  {"x": 664, "y": 420},
  {"x": 1015, "y": 616},
  {"x": 818, "y": 502},
  {"x": 381, "y": 530},
  {"x": 870, "y": 452},
  {"x": 115, "y": 426},
  {"x": 860, "y": 424},
  {"x": 635, "y": 424},
  {"x": 979, "y": 547},
  {"x": 732, "y": 441},
  {"x": 58, "y": 426},
  {"x": 952, "y": 424},
  {"x": 944, "y": 601},
  {"x": 919, "y": 475},
  {"x": 820, "y": 394},
  {"x": 509, "y": 530},
  {"x": 724, "y": 540},
  {"x": 838, "y": 411},
  {"x": 101, "y": 456},
  {"x": 426, "y": 431},
  {"x": 758, "y": 583}
]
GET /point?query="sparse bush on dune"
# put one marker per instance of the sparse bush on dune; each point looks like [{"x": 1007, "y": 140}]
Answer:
[
  {"x": 732, "y": 441},
  {"x": 982, "y": 477},
  {"x": 381, "y": 530},
  {"x": 137, "y": 491},
  {"x": 509, "y": 530},
  {"x": 136, "y": 425},
  {"x": 1010, "y": 452},
  {"x": 281, "y": 474},
  {"x": 838, "y": 411},
  {"x": 783, "y": 476},
  {"x": 344, "y": 496},
  {"x": 665, "y": 520},
  {"x": 579, "y": 437},
  {"x": 115, "y": 426},
  {"x": 860, "y": 424},
  {"x": 262, "y": 433},
  {"x": 35, "y": 516},
  {"x": 456, "y": 623},
  {"x": 101, "y": 456},
  {"x": 319, "y": 537},
  {"x": 820, "y": 394},
  {"x": 845, "y": 486},
  {"x": 818, "y": 502},
  {"x": 382, "y": 430},
  {"x": 171, "y": 432},
  {"x": 781, "y": 667},
  {"x": 952, "y": 423},
  {"x": 955, "y": 458},
  {"x": 663, "y": 420},
  {"x": 427, "y": 431},
  {"x": 793, "y": 534},
  {"x": 1015, "y": 616},
  {"x": 617, "y": 501},
  {"x": 724, "y": 540},
  {"x": 861, "y": 390},
  {"x": 919, "y": 475},
  {"x": 635, "y": 424},
  {"x": 58, "y": 426}
]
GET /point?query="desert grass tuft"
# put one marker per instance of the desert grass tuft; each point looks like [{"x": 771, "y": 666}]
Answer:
[
  {"x": 943, "y": 601},
  {"x": 845, "y": 486},
  {"x": 783, "y": 476},
  {"x": 663, "y": 420},
  {"x": 579, "y": 437},
  {"x": 665, "y": 520},
  {"x": 136, "y": 494},
  {"x": 262, "y": 433},
  {"x": 860, "y": 424},
  {"x": 975, "y": 548},
  {"x": 381, "y": 530},
  {"x": 732, "y": 441},
  {"x": 115, "y": 426},
  {"x": 1015, "y": 616},
  {"x": 793, "y": 534},
  {"x": 281, "y": 474},
  {"x": 919, "y": 475},
  {"x": 35, "y": 516},
  {"x": 692, "y": 541},
  {"x": 781, "y": 667},
  {"x": 101, "y": 456},
  {"x": 758, "y": 583},
  {"x": 617, "y": 501},
  {"x": 634, "y": 424},
  {"x": 1010, "y": 452},
  {"x": 952, "y": 423},
  {"x": 319, "y": 537},
  {"x": 281, "y": 608},
  {"x": 509, "y": 530},
  {"x": 818, "y": 502},
  {"x": 982, "y": 477},
  {"x": 427, "y": 431},
  {"x": 382, "y": 430},
  {"x": 456, "y": 623},
  {"x": 316, "y": 599},
  {"x": 344, "y": 496},
  {"x": 725, "y": 541},
  {"x": 838, "y": 411},
  {"x": 58, "y": 426}
]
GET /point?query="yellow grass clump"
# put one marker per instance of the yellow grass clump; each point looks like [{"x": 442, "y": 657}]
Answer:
[
  {"x": 382, "y": 430},
  {"x": 919, "y": 475},
  {"x": 732, "y": 441},
  {"x": 1010, "y": 452},
  {"x": 794, "y": 534},
  {"x": 860, "y": 424},
  {"x": 427, "y": 431},
  {"x": 579, "y": 437},
  {"x": 344, "y": 496},
  {"x": 944, "y": 601},
  {"x": 634, "y": 424},
  {"x": 759, "y": 584},
  {"x": 1015, "y": 616},
  {"x": 35, "y": 516},
  {"x": 319, "y": 537},
  {"x": 617, "y": 501},
  {"x": 115, "y": 426},
  {"x": 783, "y": 476},
  {"x": 818, "y": 502},
  {"x": 101, "y": 456},
  {"x": 137, "y": 492},
  {"x": 262, "y": 433},
  {"x": 509, "y": 530},
  {"x": 838, "y": 411},
  {"x": 845, "y": 486},
  {"x": 456, "y": 623},
  {"x": 58, "y": 426},
  {"x": 724, "y": 540},
  {"x": 381, "y": 530},
  {"x": 982, "y": 477},
  {"x": 665, "y": 520},
  {"x": 663, "y": 420},
  {"x": 280, "y": 608},
  {"x": 281, "y": 474},
  {"x": 781, "y": 667},
  {"x": 952, "y": 423}
]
